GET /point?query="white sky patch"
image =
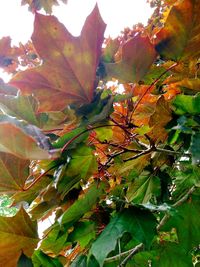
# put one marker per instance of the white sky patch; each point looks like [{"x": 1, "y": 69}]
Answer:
[{"x": 16, "y": 21}]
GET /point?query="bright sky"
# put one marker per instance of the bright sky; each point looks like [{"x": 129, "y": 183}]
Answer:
[{"x": 17, "y": 22}]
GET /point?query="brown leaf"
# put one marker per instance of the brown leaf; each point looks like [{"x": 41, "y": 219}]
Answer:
[
  {"x": 137, "y": 55},
  {"x": 179, "y": 39},
  {"x": 159, "y": 119},
  {"x": 21, "y": 140},
  {"x": 18, "y": 235},
  {"x": 69, "y": 70}
]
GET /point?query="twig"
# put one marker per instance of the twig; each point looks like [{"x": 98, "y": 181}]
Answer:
[
  {"x": 178, "y": 203},
  {"x": 140, "y": 154},
  {"x": 133, "y": 252},
  {"x": 125, "y": 253}
]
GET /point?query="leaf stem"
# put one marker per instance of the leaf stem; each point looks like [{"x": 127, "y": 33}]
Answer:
[
  {"x": 85, "y": 131},
  {"x": 38, "y": 178}
]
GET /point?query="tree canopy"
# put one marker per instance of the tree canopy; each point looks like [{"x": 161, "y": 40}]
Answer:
[{"x": 103, "y": 134}]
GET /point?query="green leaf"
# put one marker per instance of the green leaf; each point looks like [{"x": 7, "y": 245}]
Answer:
[
  {"x": 104, "y": 133},
  {"x": 187, "y": 224},
  {"x": 195, "y": 147},
  {"x": 55, "y": 241},
  {"x": 83, "y": 233},
  {"x": 84, "y": 204},
  {"x": 186, "y": 176},
  {"x": 143, "y": 188},
  {"x": 171, "y": 254},
  {"x": 140, "y": 224},
  {"x": 80, "y": 261},
  {"x": 18, "y": 235},
  {"x": 187, "y": 104},
  {"x": 78, "y": 135},
  {"x": 22, "y": 107},
  {"x": 82, "y": 163},
  {"x": 40, "y": 259}
]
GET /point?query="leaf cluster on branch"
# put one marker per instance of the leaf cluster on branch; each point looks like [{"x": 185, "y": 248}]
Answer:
[{"x": 103, "y": 136}]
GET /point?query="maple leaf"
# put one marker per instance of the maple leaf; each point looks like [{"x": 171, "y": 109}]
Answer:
[
  {"x": 179, "y": 39},
  {"x": 68, "y": 72},
  {"x": 13, "y": 173},
  {"x": 18, "y": 235},
  {"x": 137, "y": 55}
]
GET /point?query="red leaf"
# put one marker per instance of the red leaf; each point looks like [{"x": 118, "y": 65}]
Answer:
[{"x": 68, "y": 73}]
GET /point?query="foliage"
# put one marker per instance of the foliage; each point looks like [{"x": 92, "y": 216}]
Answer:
[{"x": 116, "y": 165}]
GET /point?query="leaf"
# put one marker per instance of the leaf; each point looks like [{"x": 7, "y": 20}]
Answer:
[
  {"x": 131, "y": 168},
  {"x": 84, "y": 204},
  {"x": 137, "y": 55},
  {"x": 68, "y": 72},
  {"x": 179, "y": 38},
  {"x": 83, "y": 163},
  {"x": 143, "y": 188},
  {"x": 40, "y": 259},
  {"x": 13, "y": 173},
  {"x": 187, "y": 104},
  {"x": 18, "y": 235},
  {"x": 83, "y": 233},
  {"x": 21, "y": 140},
  {"x": 158, "y": 132},
  {"x": 140, "y": 224},
  {"x": 186, "y": 224},
  {"x": 195, "y": 147},
  {"x": 55, "y": 241},
  {"x": 172, "y": 254},
  {"x": 22, "y": 107},
  {"x": 78, "y": 135},
  {"x": 186, "y": 176},
  {"x": 24, "y": 261},
  {"x": 32, "y": 193}
]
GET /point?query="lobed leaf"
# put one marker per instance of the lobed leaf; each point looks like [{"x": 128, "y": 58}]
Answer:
[
  {"x": 18, "y": 235},
  {"x": 68, "y": 72}
]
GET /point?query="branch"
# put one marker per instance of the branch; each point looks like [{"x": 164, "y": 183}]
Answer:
[
  {"x": 178, "y": 203},
  {"x": 133, "y": 252},
  {"x": 140, "y": 154},
  {"x": 130, "y": 253}
]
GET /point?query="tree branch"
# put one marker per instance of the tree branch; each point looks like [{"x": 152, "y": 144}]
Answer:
[{"x": 130, "y": 253}]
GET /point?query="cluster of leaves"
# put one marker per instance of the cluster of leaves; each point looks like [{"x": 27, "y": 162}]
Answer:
[{"x": 103, "y": 135}]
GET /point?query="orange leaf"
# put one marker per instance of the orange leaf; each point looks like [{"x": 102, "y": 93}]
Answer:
[{"x": 68, "y": 73}]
